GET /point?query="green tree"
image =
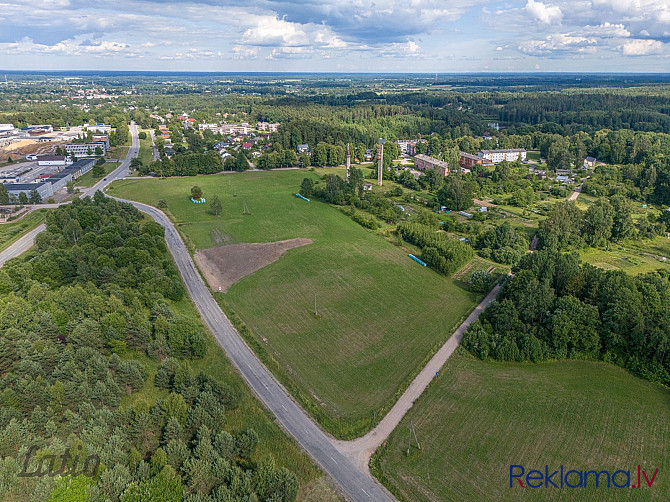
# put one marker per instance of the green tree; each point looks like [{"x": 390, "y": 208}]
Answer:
[
  {"x": 306, "y": 187},
  {"x": 215, "y": 206},
  {"x": 558, "y": 156},
  {"x": 598, "y": 221},
  {"x": 241, "y": 162},
  {"x": 4, "y": 195},
  {"x": 35, "y": 198},
  {"x": 455, "y": 194},
  {"x": 98, "y": 171},
  {"x": 196, "y": 192}
]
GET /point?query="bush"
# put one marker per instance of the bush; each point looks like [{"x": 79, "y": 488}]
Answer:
[
  {"x": 481, "y": 281},
  {"x": 162, "y": 204}
]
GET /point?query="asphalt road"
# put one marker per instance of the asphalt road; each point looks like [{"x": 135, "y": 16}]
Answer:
[
  {"x": 21, "y": 245},
  {"x": 345, "y": 461},
  {"x": 358, "y": 485}
]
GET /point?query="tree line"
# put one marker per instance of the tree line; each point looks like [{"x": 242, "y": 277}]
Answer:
[{"x": 556, "y": 307}]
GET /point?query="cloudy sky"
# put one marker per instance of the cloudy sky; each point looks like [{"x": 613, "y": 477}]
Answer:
[{"x": 337, "y": 35}]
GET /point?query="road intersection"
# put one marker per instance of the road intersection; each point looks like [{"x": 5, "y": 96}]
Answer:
[{"x": 345, "y": 461}]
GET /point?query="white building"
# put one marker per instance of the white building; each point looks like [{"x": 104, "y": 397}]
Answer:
[
  {"x": 404, "y": 144},
  {"x": 101, "y": 128},
  {"x": 267, "y": 126},
  {"x": 53, "y": 160},
  {"x": 82, "y": 149},
  {"x": 508, "y": 154}
]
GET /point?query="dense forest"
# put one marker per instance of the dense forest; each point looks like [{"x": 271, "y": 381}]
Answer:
[
  {"x": 77, "y": 318},
  {"x": 558, "y": 308}
]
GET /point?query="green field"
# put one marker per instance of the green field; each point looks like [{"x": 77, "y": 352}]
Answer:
[
  {"x": 11, "y": 231},
  {"x": 636, "y": 257},
  {"x": 478, "y": 418},
  {"x": 146, "y": 154},
  {"x": 88, "y": 180},
  {"x": 380, "y": 315}
]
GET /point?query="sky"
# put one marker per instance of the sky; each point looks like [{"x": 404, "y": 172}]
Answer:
[{"x": 413, "y": 36}]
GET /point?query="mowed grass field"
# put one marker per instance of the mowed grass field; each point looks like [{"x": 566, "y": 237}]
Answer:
[
  {"x": 477, "y": 418},
  {"x": 380, "y": 315}
]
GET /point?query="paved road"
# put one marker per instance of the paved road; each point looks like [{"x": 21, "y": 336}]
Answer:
[
  {"x": 120, "y": 172},
  {"x": 345, "y": 461},
  {"x": 361, "y": 449},
  {"x": 356, "y": 483},
  {"x": 21, "y": 245},
  {"x": 153, "y": 143}
]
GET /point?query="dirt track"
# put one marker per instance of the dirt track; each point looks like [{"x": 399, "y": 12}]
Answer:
[{"x": 223, "y": 266}]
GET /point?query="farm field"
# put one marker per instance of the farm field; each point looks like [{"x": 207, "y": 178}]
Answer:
[
  {"x": 380, "y": 315},
  {"x": 10, "y": 232},
  {"x": 478, "y": 418}
]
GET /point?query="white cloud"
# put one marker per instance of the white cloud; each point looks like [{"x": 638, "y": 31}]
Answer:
[
  {"x": 547, "y": 14},
  {"x": 559, "y": 43},
  {"x": 642, "y": 47},
  {"x": 271, "y": 31}
]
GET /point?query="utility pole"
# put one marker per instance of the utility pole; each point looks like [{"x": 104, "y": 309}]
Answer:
[
  {"x": 412, "y": 432},
  {"x": 316, "y": 314},
  {"x": 380, "y": 161},
  {"x": 348, "y": 160}
]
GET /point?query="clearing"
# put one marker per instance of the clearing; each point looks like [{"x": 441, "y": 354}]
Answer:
[
  {"x": 478, "y": 418},
  {"x": 223, "y": 266},
  {"x": 380, "y": 315}
]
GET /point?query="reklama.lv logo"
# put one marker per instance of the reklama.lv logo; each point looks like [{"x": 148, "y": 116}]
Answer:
[{"x": 577, "y": 479}]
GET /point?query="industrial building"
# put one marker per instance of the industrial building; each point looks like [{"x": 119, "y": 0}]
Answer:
[
  {"x": 53, "y": 160},
  {"x": 44, "y": 189},
  {"x": 80, "y": 167}
]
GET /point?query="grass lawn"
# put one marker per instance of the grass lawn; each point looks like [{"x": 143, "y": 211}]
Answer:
[
  {"x": 88, "y": 180},
  {"x": 11, "y": 231},
  {"x": 250, "y": 414},
  {"x": 477, "y": 418},
  {"x": 380, "y": 315},
  {"x": 117, "y": 152},
  {"x": 535, "y": 155},
  {"x": 146, "y": 154}
]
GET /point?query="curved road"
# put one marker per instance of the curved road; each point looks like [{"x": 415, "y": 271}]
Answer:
[
  {"x": 345, "y": 461},
  {"x": 356, "y": 483}
]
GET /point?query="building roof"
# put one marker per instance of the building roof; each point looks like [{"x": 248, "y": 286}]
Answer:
[
  {"x": 590, "y": 159},
  {"x": 432, "y": 160},
  {"x": 505, "y": 150},
  {"x": 13, "y": 187},
  {"x": 50, "y": 157}
]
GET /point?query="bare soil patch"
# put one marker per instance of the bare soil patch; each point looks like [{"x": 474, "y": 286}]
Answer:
[{"x": 223, "y": 266}]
